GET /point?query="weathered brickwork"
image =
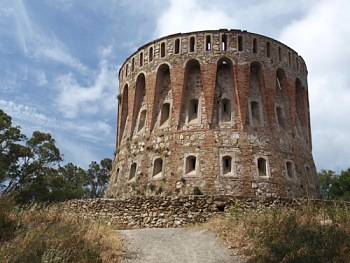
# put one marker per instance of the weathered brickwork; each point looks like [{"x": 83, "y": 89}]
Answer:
[{"x": 217, "y": 112}]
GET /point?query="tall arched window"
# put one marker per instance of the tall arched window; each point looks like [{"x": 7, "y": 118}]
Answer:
[
  {"x": 208, "y": 43},
  {"x": 255, "y": 46},
  {"x": 240, "y": 43},
  {"x": 255, "y": 113},
  {"x": 177, "y": 46},
  {"x": 162, "y": 50},
  {"x": 150, "y": 54},
  {"x": 139, "y": 103},
  {"x": 268, "y": 49},
  {"x": 192, "y": 44},
  {"x": 157, "y": 168}
]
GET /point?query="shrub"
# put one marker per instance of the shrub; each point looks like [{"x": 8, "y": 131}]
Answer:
[
  {"x": 45, "y": 235},
  {"x": 277, "y": 234},
  {"x": 7, "y": 221}
]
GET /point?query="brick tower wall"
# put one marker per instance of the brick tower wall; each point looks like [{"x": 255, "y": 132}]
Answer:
[{"x": 214, "y": 112}]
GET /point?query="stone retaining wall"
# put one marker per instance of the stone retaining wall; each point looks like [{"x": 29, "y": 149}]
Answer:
[{"x": 170, "y": 211}]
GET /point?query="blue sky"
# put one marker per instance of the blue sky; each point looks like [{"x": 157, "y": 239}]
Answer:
[{"x": 60, "y": 61}]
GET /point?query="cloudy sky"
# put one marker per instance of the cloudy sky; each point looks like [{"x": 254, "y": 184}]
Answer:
[{"x": 59, "y": 62}]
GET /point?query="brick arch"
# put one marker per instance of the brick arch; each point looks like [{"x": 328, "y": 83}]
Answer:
[
  {"x": 282, "y": 107},
  {"x": 124, "y": 102},
  {"x": 192, "y": 90},
  {"x": 256, "y": 101},
  {"x": 139, "y": 99},
  {"x": 225, "y": 102},
  {"x": 162, "y": 94},
  {"x": 300, "y": 109}
]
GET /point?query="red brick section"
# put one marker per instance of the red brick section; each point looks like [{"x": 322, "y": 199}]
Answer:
[
  {"x": 269, "y": 91},
  {"x": 242, "y": 73},
  {"x": 208, "y": 72},
  {"x": 177, "y": 76}
]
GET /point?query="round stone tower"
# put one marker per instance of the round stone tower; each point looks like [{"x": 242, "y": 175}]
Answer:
[{"x": 214, "y": 112}]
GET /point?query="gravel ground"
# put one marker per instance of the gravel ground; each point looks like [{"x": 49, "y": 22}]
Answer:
[{"x": 175, "y": 245}]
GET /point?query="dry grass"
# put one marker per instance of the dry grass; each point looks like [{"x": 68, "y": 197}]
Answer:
[
  {"x": 309, "y": 234},
  {"x": 45, "y": 235}
]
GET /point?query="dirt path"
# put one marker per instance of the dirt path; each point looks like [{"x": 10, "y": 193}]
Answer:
[{"x": 174, "y": 245}]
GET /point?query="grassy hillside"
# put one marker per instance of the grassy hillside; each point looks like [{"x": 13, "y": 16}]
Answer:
[
  {"x": 44, "y": 235},
  {"x": 310, "y": 234}
]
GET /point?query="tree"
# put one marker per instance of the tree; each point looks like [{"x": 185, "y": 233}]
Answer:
[
  {"x": 36, "y": 169},
  {"x": 340, "y": 189},
  {"x": 30, "y": 169},
  {"x": 11, "y": 150},
  {"x": 97, "y": 176},
  {"x": 326, "y": 178},
  {"x": 70, "y": 183}
]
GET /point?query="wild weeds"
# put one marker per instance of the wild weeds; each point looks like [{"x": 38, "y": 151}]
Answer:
[
  {"x": 278, "y": 234},
  {"x": 46, "y": 235}
]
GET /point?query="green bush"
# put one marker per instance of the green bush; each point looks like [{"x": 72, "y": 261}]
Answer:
[
  {"x": 282, "y": 237},
  {"x": 7, "y": 221},
  {"x": 47, "y": 235}
]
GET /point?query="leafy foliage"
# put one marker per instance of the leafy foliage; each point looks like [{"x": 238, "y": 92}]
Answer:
[
  {"x": 334, "y": 186},
  {"x": 340, "y": 188},
  {"x": 31, "y": 171}
]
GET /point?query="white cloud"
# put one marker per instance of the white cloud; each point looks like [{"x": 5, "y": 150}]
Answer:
[
  {"x": 190, "y": 15},
  {"x": 26, "y": 113},
  {"x": 322, "y": 38},
  {"x": 76, "y": 99}
]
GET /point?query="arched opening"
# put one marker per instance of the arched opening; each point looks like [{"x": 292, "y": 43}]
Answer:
[
  {"x": 193, "y": 111},
  {"x": 192, "y": 44},
  {"x": 157, "y": 168},
  {"x": 255, "y": 46},
  {"x": 240, "y": 43},
  {"x": 132, "y": 172},
  {"x": 281, "y": 102},
  {"x": 191, "y": 163},
  {"x": 290, "y": 169},
  {"x": 301, "y": 111},
  {"x": 226, "y": 165},
  {"x": 208, "y": 43},
  {"x": 268, "y": 49},
  {"x": 281, "y": 118},
  {"x": 279, "y": 54},
  {"x": 255, "y": 110},
  {"x": 262, "y": 167},
  {"x": 223, "y": 42},
  {"x": 165, "y": 115},
  {"x": 162, "y": 50},
  {"x": 192, "y": 94},
  {"x": 162, "y": 98},
  {"x": 142, "y": 120},
  {"x": 255, "y": 103},
  {"x": 133, "y": 65},
  {"x": 225, "y": 93},
  {"x": 141, "y": 59},
  {"x": 225, "y": 115},
  {"x": 289, "y": 59},
  {"x": 177, "y": 46},
  {"x": 139, "y": 102},
  {"x": 124, "y": 111},
  {"x": 150, "y": 54}
]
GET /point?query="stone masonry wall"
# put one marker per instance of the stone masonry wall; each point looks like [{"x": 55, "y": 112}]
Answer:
[{"x": 159, "y": 212}]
